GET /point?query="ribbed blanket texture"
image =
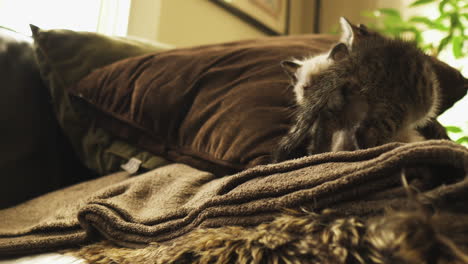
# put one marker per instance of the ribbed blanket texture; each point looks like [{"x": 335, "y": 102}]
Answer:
[{"x": 171, "y": 201}]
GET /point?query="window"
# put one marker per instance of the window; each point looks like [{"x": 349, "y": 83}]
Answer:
[{"x": 104, "y": 16}]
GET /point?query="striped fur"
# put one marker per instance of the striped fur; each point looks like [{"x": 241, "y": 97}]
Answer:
[{"x": 376, "y": 91}]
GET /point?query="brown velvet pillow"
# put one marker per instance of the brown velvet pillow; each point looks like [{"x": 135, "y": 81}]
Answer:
[{"x": 220, "y": 108}]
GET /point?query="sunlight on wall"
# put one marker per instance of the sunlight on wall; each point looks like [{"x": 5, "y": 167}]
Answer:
[
  {"x": 114, "y": 16},
  {"x": 104, "y": 16}
]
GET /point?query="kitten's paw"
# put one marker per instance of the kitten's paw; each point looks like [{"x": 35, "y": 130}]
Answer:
[
  {"x": 366, "y": 137},
  {"x": 279, "y": 156}
]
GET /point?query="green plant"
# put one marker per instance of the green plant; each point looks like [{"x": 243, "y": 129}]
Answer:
[
  {"x": 458, "y": 133},
  {"x": 451, "y": 22},
  {"x": 7, "y": 28}
]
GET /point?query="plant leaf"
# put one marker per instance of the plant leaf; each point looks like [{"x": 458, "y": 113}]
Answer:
[
  {"x": 423, "y": 20},
  {"x": 442, "y": 5},
  {"x": 454, "y": 20},
  {"x": 393, "y": 22},
  {"x": 9, "y": 29},
  {"x": 442, "y": 17},
  {"x": 444, "y": 43},
  {"x": 368, "y": 14},
  {"x": 453, "y": 129},
  {"x": 457, "y": 46},
  {"x": 390, "y": 12},
  {"x": 429, "y": 23},
  {"x": 421, "y": 2},
  {"x": 462, "y": 140}
]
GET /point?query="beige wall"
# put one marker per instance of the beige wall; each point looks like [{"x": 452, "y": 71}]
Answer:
[
  {"x": 144, "y": 19},
  {"x": 301, "y": 16},
  {"x": 194, "y": 22},
  {"x": 187, "y": 22}
]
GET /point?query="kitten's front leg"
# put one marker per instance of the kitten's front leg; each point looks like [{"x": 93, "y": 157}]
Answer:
[
  {"x": 289, "y": 146},
  {"x": 382, "y": 124},
  {"x": 376, "y": 131},
  {"x": 293, "y": 145},
  {"x": 321, "y": 135}
]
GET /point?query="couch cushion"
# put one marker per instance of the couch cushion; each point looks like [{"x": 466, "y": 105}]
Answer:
[
  {"x": 66, "y": 56},
  {"x": 35, "y": 156},
  {"x": 220, "y": 108}
]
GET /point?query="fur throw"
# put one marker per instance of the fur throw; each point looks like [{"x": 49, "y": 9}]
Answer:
[{"x": 411, "y": 236}]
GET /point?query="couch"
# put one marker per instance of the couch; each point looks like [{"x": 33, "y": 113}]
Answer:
[{"x": 139, "y": 152}]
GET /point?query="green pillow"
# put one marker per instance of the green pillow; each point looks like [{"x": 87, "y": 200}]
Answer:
[{"x": 64, "y": 57}]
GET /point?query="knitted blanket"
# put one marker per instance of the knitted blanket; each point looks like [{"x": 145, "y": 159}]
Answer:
[{"x": 171, "y": 201}]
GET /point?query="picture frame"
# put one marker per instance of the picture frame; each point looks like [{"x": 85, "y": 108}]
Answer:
[{"x": 269, "y": 16}]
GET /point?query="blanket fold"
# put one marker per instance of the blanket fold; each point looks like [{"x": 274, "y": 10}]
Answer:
[{"x": 172, "y": 201}]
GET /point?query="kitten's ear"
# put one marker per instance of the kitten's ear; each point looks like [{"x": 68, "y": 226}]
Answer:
[
  {"x": 351, "y": 33},
  {"x": 290, "y": 67},
  {"x": 362, "y": 28},
  {"x": 338, "y": 52}
]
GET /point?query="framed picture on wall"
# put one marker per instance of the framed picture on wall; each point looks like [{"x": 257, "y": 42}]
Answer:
[{"x": 270, "y": 16}]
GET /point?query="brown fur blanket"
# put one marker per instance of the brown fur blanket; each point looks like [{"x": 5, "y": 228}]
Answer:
[
  {"x": 416, "y": 236},
  {"x": 166, "y": 205}
]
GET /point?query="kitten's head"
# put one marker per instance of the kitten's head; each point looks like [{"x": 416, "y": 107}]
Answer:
[
  {"x": 338, "y": 110},
  {"x": 301, "y": 72},
  {"x": 357, "y": 94}
]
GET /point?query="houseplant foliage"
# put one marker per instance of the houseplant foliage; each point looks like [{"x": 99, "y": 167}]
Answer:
[{"x": 450, "y": 24}]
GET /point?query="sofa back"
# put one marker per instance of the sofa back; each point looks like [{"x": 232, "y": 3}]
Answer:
[{"x": 35, "y": 157}]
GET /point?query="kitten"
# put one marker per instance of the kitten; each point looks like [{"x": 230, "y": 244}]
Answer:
[{"x": 366, "y": 91}]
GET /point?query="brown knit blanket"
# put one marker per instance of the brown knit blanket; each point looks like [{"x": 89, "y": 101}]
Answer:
[{"x": 171, "y": 201}]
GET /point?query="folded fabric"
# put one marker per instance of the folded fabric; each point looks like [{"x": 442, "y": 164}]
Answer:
[{"x": 171, "y": 201}]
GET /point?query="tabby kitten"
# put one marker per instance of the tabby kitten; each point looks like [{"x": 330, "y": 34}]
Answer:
[{"x": 366, "y": 91}]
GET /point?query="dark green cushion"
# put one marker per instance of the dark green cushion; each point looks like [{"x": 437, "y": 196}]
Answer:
[{"x": 66, "y": 56}]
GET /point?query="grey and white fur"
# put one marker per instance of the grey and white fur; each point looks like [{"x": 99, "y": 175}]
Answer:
[{"x": 366, "y": 91}]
